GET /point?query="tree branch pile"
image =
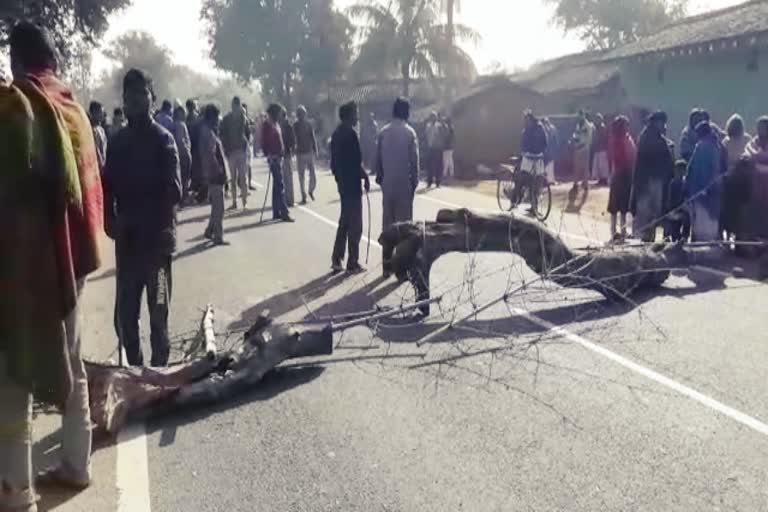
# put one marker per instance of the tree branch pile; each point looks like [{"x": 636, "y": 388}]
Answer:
[
  {"x": 410, "y": 250},
  {"x": 119, "y": 394}
]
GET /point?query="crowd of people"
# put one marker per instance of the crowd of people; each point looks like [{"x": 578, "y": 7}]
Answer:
[
  {"x": 714, "y": 190},
  {"x": 69, "y": 175}
]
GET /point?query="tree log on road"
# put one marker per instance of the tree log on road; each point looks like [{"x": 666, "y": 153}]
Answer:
[
  {"x": 118, "y": 394},
  {"x": 411, "y": 248}
]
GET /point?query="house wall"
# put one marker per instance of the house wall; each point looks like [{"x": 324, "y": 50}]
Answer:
[
  {"x": 489, "y": 125},
  {"x": 609, "y": 98},
  {"x": 720, "y": 82}
]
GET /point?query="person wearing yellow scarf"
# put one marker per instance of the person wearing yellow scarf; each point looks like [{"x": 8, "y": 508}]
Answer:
[{"x": 51, "y": 199}]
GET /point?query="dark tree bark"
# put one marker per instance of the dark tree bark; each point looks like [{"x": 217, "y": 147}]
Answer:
[
  {"x": 118, "y": 394},
  {"x": 410, "y": 249}
]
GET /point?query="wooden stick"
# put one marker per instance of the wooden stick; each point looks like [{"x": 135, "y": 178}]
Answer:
[{"x": 209, "y": 335}]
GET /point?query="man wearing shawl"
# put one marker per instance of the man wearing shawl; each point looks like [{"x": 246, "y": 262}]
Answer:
[
  {"x": 52, "y": 204},
  {"x": 581, "y": 142},
  {"x": 703, "y": 184},
  {"x": 654, "y": 168},
  {"x": 688, "y": 137}
]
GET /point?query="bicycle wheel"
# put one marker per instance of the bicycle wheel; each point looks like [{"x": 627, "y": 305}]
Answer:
[
  {"x": 507, "y": 193},
  {"x": 543, "y": 202}
]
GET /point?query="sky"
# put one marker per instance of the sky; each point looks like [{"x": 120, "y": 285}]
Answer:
[{"x": 515, "y": 33}]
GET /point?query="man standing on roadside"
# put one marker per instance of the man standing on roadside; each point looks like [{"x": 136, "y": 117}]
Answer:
[
  {"x": 306, "y": 151},
  {"x": 370, "y": 132},
  {"x": 197, "y": 185},
  {"x": 118, "y": 122},
  {"x": 97, "y": 115},
  {"x": 143, "y": 189},
  {"x": 214, "y": 166},
  {"x": 435, "y": 147},
  {"x": 289, "y": 146},
  {"x": 397, "y": 168},
  {"x": 165, "y": 116},
  {"x": 181, "y": 136},
  {"x": 272, "y": 145},
  {"x": 51, "y": 201},
  {"x": 347, "y": 168},
  {"x": 235, "y": 133}
]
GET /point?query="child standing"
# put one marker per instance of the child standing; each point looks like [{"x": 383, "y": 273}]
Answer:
[{"x": 621, "y": 152}]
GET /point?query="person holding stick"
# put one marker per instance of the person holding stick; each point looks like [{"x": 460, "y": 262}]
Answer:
[
  {"x": 142, "y": 186},
  {"x": 272, "y": 145},
  {"x": 347, "y": 168}
]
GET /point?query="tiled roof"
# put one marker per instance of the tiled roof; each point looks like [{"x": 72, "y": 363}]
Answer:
[
  {"x": 577, "y": 72},
  {"x": 540, "y": 69},
  {"x": 724, "y": 24},
  {"x": 576, "y": 78}
]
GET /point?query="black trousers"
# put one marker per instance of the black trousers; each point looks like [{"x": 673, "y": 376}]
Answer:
[
  {"x": 279, "y": 206},
  {"x": 350, "y": 230},
  {"x": 133, "y": 277},
  {"x": 434, "y": 166}
]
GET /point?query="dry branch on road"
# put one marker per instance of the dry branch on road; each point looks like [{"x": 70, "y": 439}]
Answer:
[
  {"x": 119, "y": 394},
  {"x": 410, "y": 250}
]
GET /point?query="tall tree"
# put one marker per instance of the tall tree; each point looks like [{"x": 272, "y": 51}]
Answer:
[
  {"x": 139, "y": 50},
  {"x": 451, "y": 7},
  {"x": 172, "y": 81},
  {"x": 605, "y": 24},
  {"x": 278, "y": 42},
  {"x": 69, "y": 21},
  {"x": 405, "y": 35},
  {"x": 79, "y": 72}
]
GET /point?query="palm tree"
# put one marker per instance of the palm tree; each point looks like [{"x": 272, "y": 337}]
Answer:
[
  {"x": 451, "y": 7},
  {"x": 405, "y": 37}
]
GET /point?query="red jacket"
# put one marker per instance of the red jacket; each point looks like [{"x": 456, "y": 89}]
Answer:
[{"x": 271, "y": 140}]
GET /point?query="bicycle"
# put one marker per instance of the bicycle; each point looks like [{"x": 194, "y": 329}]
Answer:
[{"x": 516, "y": 185}]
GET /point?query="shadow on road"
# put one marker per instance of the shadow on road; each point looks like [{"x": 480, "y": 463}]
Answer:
[
  {"x": 282, "y": 303},
  {"x": 408, "y": 330},
  {"x": 364, "y": 298},
  {"x": 373, "y": 192},
  {"x": 576, "y": 201},
  {"x": 228, "y": 214},
  {"x": 190, "y": 251}
]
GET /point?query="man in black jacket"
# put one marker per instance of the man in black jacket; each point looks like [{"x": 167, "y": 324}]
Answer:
[
  {"x": 347, "y": 168},
  {"x": 142, "y": 191}
]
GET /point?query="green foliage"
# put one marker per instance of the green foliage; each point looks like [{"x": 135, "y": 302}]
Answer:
[
  {"x": 605, "y": 24},
  {"x": 171, "y": 81},
  {"x": 285, "y": 44},
  {"x": 404, "y": 37},
  {"x": 69, "y": 21}
]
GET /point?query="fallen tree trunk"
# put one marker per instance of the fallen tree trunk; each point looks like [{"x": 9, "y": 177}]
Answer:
[
  {"x": 119, "y": 394},
  {"x": 410, "y": 249}
]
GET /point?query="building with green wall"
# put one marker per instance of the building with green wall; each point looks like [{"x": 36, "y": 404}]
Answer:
[{"x": 717, "y": 61}]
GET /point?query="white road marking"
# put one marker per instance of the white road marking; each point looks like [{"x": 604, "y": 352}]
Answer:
[
  {"x": 132, "y": 470},
  {"x": 334, "y": 224},
  {"x": 323, "y": 219},
  {"x": 701, "y": 398}
]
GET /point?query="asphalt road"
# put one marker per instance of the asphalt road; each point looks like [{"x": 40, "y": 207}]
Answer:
[{"x": 659, "y": 405}]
